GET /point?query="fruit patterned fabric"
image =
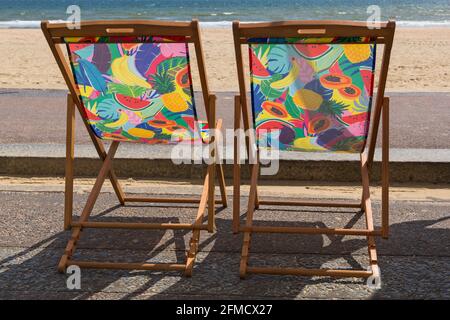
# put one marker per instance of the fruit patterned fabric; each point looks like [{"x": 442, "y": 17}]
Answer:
[
  {"x": 312, "y": 94},
  {"x": 136, "y": 88}
]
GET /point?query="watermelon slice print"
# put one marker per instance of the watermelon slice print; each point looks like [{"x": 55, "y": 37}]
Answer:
[
  {"x": 312, "y": 51},
  {"x": 258, "y": 70},
  {"x": 131, "y": 103},
  {"x": 367, "y": 77}
]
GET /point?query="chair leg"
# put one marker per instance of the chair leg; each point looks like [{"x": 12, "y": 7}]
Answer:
[
  {"x": 256, "y": 197},
  {"x": 117, "y": 188},
  {"x": 219, "y": 167},
  {"x": 236, "y": 197},
  {"x": 211, "y": 196},
  {"x": 70, "y": 135},
  {"x": 213, "y": 155},
  {"x": 222, "y": 185},
  {"x": 371, "y": 246},
  {"x": 237, "y": 165},
  {"x": 249, "y": 221},
  {"x": 194, "y": 242},
  {"x": 385, "y": 171},
  {"x": 256, "y": 202},
  {"x": 112, "y": 175},
  {"x": 192, "y": 253},
  {"x": 76, "y": 231}
]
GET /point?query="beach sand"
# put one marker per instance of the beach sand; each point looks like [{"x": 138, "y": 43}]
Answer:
[{"x": 419, "y": 61}]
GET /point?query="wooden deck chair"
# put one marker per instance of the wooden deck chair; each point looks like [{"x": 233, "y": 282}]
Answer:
[
  {"x": 131, "y": 81},
  {"x": 311, "y": 90}
]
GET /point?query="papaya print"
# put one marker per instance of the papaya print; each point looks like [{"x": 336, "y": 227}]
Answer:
[
  {"x": 312, "y": 94},
  {"x": 136, "y": 88}
]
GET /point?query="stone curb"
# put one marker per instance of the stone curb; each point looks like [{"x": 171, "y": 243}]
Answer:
[{"x": 139, "y": 161}]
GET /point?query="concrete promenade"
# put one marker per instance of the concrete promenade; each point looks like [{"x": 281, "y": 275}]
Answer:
[{"x": 32, "y": 141}]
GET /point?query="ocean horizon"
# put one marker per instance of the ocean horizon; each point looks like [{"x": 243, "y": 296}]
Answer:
[{"x": 219, "y": 13}]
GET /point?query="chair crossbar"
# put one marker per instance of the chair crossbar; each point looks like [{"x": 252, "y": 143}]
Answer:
[
  {"x": 311, "y": 203},
  {"x": 128, "y": 266},
  {"x": 130, "y": 225},
  {"x": 304, "y": 230},
  {"x": 338, "y": 273},
  {"x": 167, "y": 200}
]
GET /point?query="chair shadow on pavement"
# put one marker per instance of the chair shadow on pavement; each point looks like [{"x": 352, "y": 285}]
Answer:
[{"x": 31, "y": 273}]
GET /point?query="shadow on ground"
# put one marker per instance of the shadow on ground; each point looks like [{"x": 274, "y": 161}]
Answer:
[{"x": 414, "y": 262}]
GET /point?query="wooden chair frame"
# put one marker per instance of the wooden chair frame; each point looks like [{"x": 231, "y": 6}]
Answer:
[
  {"x": 383, "y": 34},
  {"x": 54, "y": 33}
]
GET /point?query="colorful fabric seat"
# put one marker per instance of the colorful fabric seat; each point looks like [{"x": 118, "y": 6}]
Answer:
[
  {"x": 136, "y": 89},
  {"x": 312, "y": 94}
]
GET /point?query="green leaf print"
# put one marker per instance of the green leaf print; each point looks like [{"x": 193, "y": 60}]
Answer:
[
  {"x": 269, "y": 92},
  {"x": 291, "y": 108},
  {"x": 129, "y": 91},
  {"x": 170, "y": 64}
]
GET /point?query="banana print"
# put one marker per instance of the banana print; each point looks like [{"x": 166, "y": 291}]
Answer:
[
  {"x": 121, "y": 72},
  {"x": 86, "y": 91},
  {"x": 289, "y": 79},
  {"x": 120, "y": 122}
]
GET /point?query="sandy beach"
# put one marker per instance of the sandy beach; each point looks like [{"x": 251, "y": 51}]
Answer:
[{"x": 419, "y": 60}]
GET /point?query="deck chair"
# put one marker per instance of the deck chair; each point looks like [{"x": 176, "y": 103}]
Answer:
[
  {"x": 311, "y": 90},
  {"x": 131, "y": 82}
]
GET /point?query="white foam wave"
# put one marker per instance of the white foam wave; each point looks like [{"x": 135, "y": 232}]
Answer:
[
  {"x": 424, "y": 24},
  {"x": 406, "y": 24},
  {"x": 24, "y": 24},
  {"x": 215, "y": 24}
]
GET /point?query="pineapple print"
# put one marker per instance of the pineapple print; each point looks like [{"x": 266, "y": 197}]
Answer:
[
  {"x": 307, "y": 99},
  {"x": 357, "y": 53},
  {"x": 172, "y": 98}
]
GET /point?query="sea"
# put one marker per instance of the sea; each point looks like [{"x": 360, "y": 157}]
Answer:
[{"x": 220, "y": 13}]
